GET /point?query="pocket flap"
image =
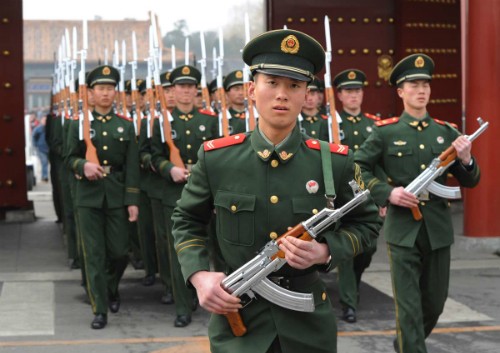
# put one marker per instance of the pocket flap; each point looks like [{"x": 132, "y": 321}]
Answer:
[{"x": 235, "y": 202}]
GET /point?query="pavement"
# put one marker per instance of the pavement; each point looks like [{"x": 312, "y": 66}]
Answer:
[{"x": 43, "y": 308}]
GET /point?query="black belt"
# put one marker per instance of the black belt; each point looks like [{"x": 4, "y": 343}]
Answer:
[
  {"x": 108, "y": 169},
  {"x": 288, "y": 282}
]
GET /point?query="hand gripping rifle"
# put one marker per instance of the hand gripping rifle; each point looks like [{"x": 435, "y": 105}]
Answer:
[
  {"x": 252, "y": 278},
  {"x": 333, "y": 126},
  {"x": 223, "y": 119},
  {"x": 249, "y": 108},
  {"x": 425, "y": 181}
]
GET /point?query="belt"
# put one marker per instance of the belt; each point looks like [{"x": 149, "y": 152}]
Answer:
[
  {"x": 295, "y": 281},
  {"x": 108, "y": 169}
]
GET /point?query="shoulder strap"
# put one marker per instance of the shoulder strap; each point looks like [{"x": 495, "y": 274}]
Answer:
[{"x": 326, "y": 163}]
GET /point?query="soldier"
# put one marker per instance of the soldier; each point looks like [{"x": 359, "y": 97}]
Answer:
[
  {"x": 106, "y": 194},
  {"x": 356, "y": 127},
  {"x": 214, "y": 95},
  {"x": 419, "y": 251},
  {"x": 261, "y": 183},
  {"x": 190, "y": 128},
  {"x": 235, "y": 99},
  {"x": 313, "y": 123}
]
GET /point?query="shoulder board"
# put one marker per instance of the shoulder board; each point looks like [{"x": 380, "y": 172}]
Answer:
[
  {"x": 334, "y": 148},
  {"x": 207, "y": 112},
  {"x": 386, "y": 121},
  {"x": 373, "y": 117},
  {"x": 441, "y": 122},
  {"x": 124, "y": 117},
  {"x": 325, "y": 117},
  {"x": 224, "y": 142}
]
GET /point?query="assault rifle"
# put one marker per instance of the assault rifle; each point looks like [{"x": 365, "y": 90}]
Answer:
[
  {"x": 136, "y": 109},
  {"x": 425, "y": 181},
  {"x": 223, "y": 113},
  {"x": 249, "y": 108},
  {"x": 252, "y": 278}
]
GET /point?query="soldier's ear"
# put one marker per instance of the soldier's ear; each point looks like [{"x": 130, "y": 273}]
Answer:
[
  {"x": 400, "y": 92},
  {"x": 251, "y": 90}
]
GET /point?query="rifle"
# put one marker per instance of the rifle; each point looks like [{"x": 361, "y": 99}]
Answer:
[
  {"x": 136, "y": 109},
  {"x": 252, "y": 278},
  {"x": 249, "y": 108},
  {"x": 425, "y": 181},
  {"x": 223, "y": 120},
  {"x": 121, "y": 84},
  {"x": 333, "y": 130},
  {"x": 203, "y": 65},
  {"x": 83, "y": 109}
]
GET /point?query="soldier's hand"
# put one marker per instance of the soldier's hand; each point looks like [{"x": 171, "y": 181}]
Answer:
[
  {"x": 211, "y": 295},
  {"x": 463, "y": 147},
  {"x": 93, "y": 171},
  {"x": 400, "y": 197},
  {"x": 302, "y": 254},
  {"x": 382, "y": 212},
  {"x": 133, "y": 213},
  {"x": 179, "y": 175}
]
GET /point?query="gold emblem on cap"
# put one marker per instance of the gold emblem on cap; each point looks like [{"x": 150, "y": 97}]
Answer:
[
  {"x": 106, "y": 71},
  {"x": 186, "y": 70},
  {"x": 239, "y": 74},
  {"x": 419, "y": 62},
  {"x": 351, "y": 75},
  {"x": 139, "y": 82},
  {"x": 290, "y": 45}
]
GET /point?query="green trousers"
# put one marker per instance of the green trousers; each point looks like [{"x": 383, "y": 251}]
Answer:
[
  {"x": 163, "y": 258},
  {"x": 420, "y": 280},
  {"x": 147, "y": 235},
  {"x": 105, "y": 248},
  {"x": 68, "y": 214},
  {"x": 81, "y": 258}
]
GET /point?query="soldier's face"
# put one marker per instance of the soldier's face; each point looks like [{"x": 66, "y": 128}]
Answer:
[
  {"x": 279, "y": 100},
  {"x": 185, "y": 93},
  {"x": 169, "y": 94},
  {"x": 351, "y": 98},
  {"x": 312, "y": 99},
  {"x": 103, "y": 95},
  {"x": 236, "y": 95},
  {"x": 415, "y": 94}
]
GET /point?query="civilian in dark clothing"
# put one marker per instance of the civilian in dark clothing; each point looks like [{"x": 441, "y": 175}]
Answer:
[{"x": 42, "y": 148}]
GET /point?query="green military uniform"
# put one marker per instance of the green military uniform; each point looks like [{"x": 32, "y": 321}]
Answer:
[
  {"x": 53, "y": 136},
  {"x": 102, "y": 203},
  {"x": 419, "y": 251},
  {"x": 237, "y": 123},
  {"x": 316, "y": 125},
  {"x": 259, "y": 190},
  {"x": 189, "y": 131}
]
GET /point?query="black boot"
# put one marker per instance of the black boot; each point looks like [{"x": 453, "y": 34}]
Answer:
[{"x": 99, "y": 322}]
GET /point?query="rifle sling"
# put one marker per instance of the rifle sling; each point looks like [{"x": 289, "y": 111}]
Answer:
[{"x": 326, "y": 163}]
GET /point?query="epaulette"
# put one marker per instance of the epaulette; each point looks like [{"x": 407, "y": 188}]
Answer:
[
  {"x": 441, "y": 122},
  {"x": 386, "y": 122},
  {"x": 373, "y": 117},
  {"x": 224, "y": 142},
  {"x": 325, "y": 117},
  {"x": 334, "y": 148},
  {"x": 207, "y": 112},
  {"x": 124, "y": 117}
]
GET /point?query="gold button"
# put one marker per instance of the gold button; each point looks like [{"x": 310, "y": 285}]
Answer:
[
  {"x": 104, "y": 174},
  {"x": 273, "y": 235},
  {"x": 103, "y": 120},
  {"x": 121, "y": 138},
  {"x": 105, "y": 161},
  {"x": 323, "y": 296},
  {"x": 313, "y": 132},
  {"x": 399, "y": 154},
  {"x": 188, "y": 147},
  {"x": 356, "y": 133},
  {"x": 356, "y": 147},
  {"x": 315, "y": 211},
  {"x": 422, "y": 146},
  {"x": 389, "y": 180},
  {"x": 274, "y": 163},
  {"x": 274, "y": 199},
  {"x": 190, "y": 161},
  {"x": 188, "y": 132},
  {"x": 419, "y": 128},
  {"x": 422, "y": 203},
  {"x": 234, "y": 208},
  {"x": 422, "y": 166},
  {"x": 105, "y": 148},
  {"x": 104, "y": 133}
]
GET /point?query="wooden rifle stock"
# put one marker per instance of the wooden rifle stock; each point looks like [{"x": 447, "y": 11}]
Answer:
[
  {"x": 223, "y": 107},
  {"x": 91, "y": 153},
  {"x": 123, "y": 103},
  {"x": 236, "y": 322},
  {"x": 330, "y": 97},
  {"x": 206, "y": 99}
]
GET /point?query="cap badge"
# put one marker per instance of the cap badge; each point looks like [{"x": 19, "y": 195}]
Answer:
[
  {"x": 351, "y": 75},
  {"x": 419, "y": 62},
  {"x": 186, "y": 70},
  {"x": 440, "y": 139},
  {"x": 139, "y": 82},
  {"x": 106, "y": 71},
  {"x": 167, "y": 75},
  {"x": 290, "y": 45},
  {"x": 312, "y": 186},
  {"x": 119, "y": 129},
  {"x": 239, "y": 74}
]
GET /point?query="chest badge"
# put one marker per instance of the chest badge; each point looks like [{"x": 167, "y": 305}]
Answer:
[
  {"x": 369, "y": 129},
  {"x": 202, "y": 128},
  {"x": 440, "y": 139},
  {"x": 400, "y": 143},
  {"x": 312, "y": 186},
  {"x": 120, "y": 129}
]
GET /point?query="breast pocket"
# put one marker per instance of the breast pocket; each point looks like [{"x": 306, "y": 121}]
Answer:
[
  {"x": 400, "y": 161},
  {"x": 235, "y": 217}
]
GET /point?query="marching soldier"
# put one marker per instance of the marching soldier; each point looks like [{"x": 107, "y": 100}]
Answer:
[
  {"x": 419, "y": 250},
  {"x": 190, "y": 128},
  {"x": 261, "y": 183},
  {"x": 107, "y": 194},
  {"x": 313, "y": 123},
  {"x": 233, "y": 86},
  {"x": 356, "y": 127}
]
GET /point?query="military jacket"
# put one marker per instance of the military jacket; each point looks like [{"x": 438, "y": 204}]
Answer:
[
  {"x": 315, "y": 126},
  {"x": 189, "y": 131},
  {"x": 258, "y": 190},
  {"x": 114, "y": 139},
  {"x": 404, "y": 147},
  {"x": 356, "y": 129},
  {"x": 54, "y": 134},
  {"x": 237, "y": 122}
]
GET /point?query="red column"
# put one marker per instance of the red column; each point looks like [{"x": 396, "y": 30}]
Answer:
[{"x": 482, "y": 204}]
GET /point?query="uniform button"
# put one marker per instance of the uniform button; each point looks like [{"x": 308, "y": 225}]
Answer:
[
  {"x": 104, "y": 174},
  {"x": 104, "y": 121},
  {"x": 203, "y": 138},
  {"x": 323, "y": 296},
  {"x": 389, "y": 180},
  {"x": 188, "y": 147},
  {"x": 314, "y": 211},
  {"x": 121, "y": 138},
  {"x": 188, "y": 132},
  {"x": 274, "y": 163},
  {"x": 419, "y": 128},
  {"x": 234, "y": 208},
  {"x": 399, "y": 154},
  {"x": 105, "y": 148},
  {"x": 105, "y": 161},
  {"x": 273, "y": 235},
  {"x": 313, "y": 132},
  {"x": 356, "y": 147},
  {"x": 190, "y": 161},
  {"x": 104, "y": 133},
  {"x": 422, "y": 146},
  {"x": 356, "y": 133},
  {"x": 422, "y": 166},
  {"x": 422, "y": 203},
  {"x": 274, "y": 199}
]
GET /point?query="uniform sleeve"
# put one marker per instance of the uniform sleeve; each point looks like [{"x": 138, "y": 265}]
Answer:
[
  {"x": 144, "y": 146},
  {"x": 357, "y": 231},
  {"x": 159, "y": 153},
  {"x": 132, "y": 191},
  {"x": 368, "y": 157},
  {"x": 466, "y": 178},
  {"x": 75, "y": 151},
  {"x": 190, "y": 219}
]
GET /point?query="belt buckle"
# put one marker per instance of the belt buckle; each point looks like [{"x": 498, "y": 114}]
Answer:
[{"x": 107, "y": 169}]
